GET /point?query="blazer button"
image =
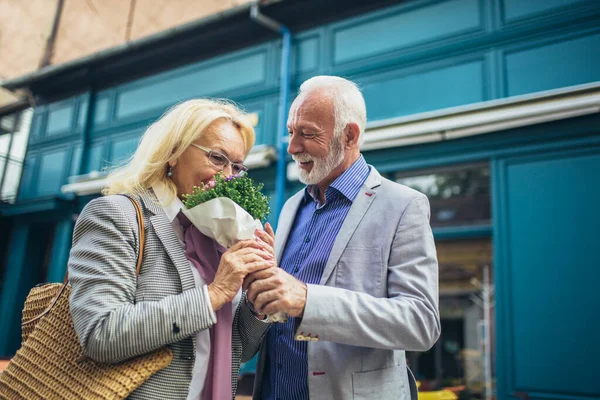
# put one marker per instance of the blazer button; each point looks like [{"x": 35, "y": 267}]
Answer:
[{"x": 175, "y": 328}]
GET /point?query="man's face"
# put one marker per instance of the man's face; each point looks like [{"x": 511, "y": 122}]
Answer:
[{"x": 312, "y": 142}]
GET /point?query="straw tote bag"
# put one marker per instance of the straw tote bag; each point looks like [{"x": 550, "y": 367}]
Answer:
[{"x": 50, "y": 363}]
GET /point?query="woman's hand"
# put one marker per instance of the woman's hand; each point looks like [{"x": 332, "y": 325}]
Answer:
[
  {"x": 241, "y": 259},
  {"x": 266, "y": 238}
]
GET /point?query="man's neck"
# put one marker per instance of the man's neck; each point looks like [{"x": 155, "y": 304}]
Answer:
[{"x": 333, "y": 175}]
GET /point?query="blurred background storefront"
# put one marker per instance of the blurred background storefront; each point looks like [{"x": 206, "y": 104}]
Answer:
[{"x": 490, "y": 107}]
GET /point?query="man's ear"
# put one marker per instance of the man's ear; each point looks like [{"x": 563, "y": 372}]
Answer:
[{"x": 352, "y": 135}]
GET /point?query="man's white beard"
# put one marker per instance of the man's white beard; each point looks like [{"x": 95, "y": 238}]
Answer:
[{"x": 322, "y": 166}]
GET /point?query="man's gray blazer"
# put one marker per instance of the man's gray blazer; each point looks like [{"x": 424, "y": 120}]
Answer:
[
  {"x": 117, "y": 317},
  {"x": 377, "y": 298}
]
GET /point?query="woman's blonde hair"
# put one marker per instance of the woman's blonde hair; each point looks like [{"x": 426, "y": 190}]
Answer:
[{"x": 166, "y": 139}]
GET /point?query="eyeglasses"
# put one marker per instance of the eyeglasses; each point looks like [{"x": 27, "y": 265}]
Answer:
[{"x": 220, "y": 160}]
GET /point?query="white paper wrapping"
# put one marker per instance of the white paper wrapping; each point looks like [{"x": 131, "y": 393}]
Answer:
[
  {"x": 223, "y": 220},
  {"x": 226, "y": 222}
]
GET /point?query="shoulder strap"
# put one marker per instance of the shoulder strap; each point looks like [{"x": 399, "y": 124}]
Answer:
[
  {"x": 142, "y": 236},
  {"x": 141, "y": 231}
]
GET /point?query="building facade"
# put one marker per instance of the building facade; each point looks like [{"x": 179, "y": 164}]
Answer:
[{"x": 490, "y": 107}]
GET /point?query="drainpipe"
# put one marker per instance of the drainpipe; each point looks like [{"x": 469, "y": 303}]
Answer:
[
  {"x": 90, "y": 96},
  {"x": 47, "y": 56},
  {"x": 284, "y": 92}
]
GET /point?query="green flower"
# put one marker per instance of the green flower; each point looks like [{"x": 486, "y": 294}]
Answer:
[{"x": 241, "y": 189}]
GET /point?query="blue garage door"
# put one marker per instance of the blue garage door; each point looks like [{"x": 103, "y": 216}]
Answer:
[{"x": 547, "y": 243}]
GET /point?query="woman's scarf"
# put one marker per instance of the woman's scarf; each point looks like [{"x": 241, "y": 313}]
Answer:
[{"x": 205, "y": 254}]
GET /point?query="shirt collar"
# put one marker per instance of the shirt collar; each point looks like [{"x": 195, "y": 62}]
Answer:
[
  {"x": 348, "y": 183},
  {"x": 172, "y": 207}
]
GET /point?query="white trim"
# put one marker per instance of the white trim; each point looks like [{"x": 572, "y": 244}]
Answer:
[
  {"x": 259, "y": 157},
  {"x": 491, "y": 116}
]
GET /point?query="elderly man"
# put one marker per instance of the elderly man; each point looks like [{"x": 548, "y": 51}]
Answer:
[{"x": 358, "y": 274}]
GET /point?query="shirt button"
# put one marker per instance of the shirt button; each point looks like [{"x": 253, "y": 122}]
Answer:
[
  {"x": 306, "y": 239},
  {"x": 278, "y": 331},
  {"x": 296, "y": 269},
  {"x": 279, "y": 365}
]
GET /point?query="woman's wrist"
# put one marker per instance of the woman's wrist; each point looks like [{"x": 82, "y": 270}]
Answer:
[{"x": 217, "y": 298}]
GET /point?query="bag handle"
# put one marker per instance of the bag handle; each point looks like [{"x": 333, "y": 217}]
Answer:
[{"x": 142, "y": 236}]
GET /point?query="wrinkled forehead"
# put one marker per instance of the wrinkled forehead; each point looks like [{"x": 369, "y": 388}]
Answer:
[{"x": 315, "y": 107}]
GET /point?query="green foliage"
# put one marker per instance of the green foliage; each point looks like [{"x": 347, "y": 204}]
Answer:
[{"x": 242, "y": 190}]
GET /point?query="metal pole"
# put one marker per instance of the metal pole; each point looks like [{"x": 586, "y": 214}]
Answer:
[{"x": 284, "y": 92}]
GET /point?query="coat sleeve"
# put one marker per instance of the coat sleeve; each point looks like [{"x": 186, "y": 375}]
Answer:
[
  {"x": 251, "y": 330},
  {"x": 110, "y": 325},
  {"x": 408, "y": 319}
]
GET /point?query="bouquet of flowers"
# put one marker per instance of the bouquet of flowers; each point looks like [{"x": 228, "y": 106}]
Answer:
[{"x": 228, "y": 210}]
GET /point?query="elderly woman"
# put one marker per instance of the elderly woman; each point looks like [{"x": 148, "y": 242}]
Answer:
[{"x": 173, "y": 301}]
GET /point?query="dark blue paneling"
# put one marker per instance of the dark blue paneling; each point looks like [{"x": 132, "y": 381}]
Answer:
[
  {"x": 553, "y": 65},
  {"x": 454, "y": 85},
  {"x": 407, "y": 27},
  {"x": 50, "y": 176},
  {"x": 547, "y": 274},
  {"x": 209, "y": 78},
  {"x": 516, "y": 9}
]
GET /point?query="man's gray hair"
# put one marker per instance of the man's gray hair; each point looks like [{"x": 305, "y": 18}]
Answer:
[{"x": 348, "y": 102}]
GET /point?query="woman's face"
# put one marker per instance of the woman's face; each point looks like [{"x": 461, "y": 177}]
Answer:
[{"x": 194, "y": 167}]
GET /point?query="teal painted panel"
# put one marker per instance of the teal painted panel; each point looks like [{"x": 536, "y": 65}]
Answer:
[
  {"x": 82, "y": 115},
  {"x": 167, "y": 89},
  {"x": 514, "y": 9},
  {"x": 12, "y": 296},
  {"x": 26, "y": 190},
  {"x": 50, "y": 176},
  {"x": 59, "y": 120},
  {"x": 425, "y": 91},
  {"x": 36, "y": 124},
  {"x": 406, "y": 28},
  {"x": 96, "y": 157},
  {"x": 566, "y": 63},
  {"x": 306, "y": 55},
  {"x": 75, "y": 161},
  {"x": 101, "y": 110},
  {"x": 553, "y": 219},
  {"x": 122, "y": 148}
]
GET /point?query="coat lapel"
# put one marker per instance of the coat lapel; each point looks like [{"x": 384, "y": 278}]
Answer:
[
  {"x": 164, "y": 230},
  {"x": 286, "y": 220},
  {"x": 359, "y": 207}
]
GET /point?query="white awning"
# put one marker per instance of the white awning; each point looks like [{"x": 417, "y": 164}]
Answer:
[
  {"x": 479, "y": 118},
  {"x": 485, "y": 117}
]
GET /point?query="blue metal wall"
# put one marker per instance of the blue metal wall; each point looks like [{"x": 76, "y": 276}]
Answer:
[{"x": 418, "y": 56}]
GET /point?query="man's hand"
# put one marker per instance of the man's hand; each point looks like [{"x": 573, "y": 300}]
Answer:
[
  {"x": 273, "y": 290},
  {"x": 242, "y": 259}
]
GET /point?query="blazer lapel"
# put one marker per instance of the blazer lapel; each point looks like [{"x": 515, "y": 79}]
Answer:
[
  {"x": 359, "y": 208},
  {"x": 285, "y": 223},
  {"x": 164, "y": 230}
]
